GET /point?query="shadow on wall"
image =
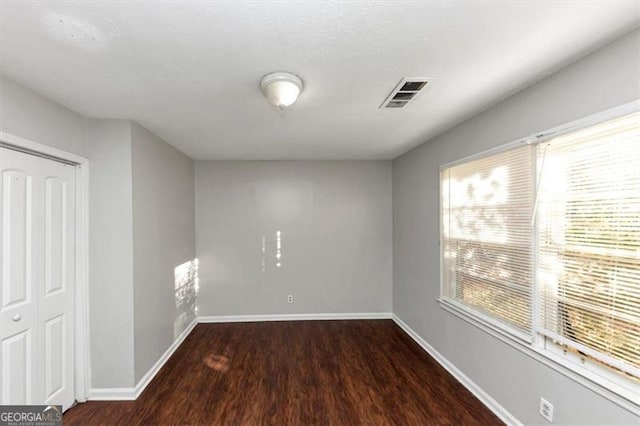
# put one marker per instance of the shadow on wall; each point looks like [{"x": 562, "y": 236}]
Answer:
[{"x": 186, "y": 292}]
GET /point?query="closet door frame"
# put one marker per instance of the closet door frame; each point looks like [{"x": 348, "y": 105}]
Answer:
[{"x": 82, "y": 366}]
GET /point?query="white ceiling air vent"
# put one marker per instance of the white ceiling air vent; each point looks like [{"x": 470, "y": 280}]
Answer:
[{"x": 404, "y": 92}]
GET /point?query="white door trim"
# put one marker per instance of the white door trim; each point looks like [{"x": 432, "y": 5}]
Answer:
[{"x": 82, "y": 359}]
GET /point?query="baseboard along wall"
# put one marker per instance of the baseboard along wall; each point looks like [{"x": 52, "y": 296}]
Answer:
[{"x": 295, "y": 317}]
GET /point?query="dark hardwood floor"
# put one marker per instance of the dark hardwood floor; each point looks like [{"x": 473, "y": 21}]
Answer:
[{"x": 296, "y": 373}]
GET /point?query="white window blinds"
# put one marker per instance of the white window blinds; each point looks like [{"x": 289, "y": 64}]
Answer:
[
  {"x": 589, "y": 242},
  {"x": 487, "y": 238},
  {"x": 544, "y": 241}
]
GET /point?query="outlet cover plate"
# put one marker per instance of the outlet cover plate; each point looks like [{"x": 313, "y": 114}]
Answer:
[{"x": 546, "y": 409}]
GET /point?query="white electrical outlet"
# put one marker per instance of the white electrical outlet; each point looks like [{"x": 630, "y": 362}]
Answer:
[
  {"x": 290, "y": 298},
  {"x": 546, "y": 409}
]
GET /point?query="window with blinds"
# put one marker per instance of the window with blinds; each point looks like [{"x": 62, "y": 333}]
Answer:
[
  {"x": 589, "y": 241},
  {"x": 544, "y": 239},
  {"x": 487, "y": 239}
]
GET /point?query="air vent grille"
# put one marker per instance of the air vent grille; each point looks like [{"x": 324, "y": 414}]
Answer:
[{"x": 404, "y": 92}]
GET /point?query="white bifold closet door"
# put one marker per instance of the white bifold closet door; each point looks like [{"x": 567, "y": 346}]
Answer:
[{"x": 38, "y": 277}]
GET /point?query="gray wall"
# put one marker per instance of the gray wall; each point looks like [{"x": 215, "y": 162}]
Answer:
[
  {"x": 600, "y": 81},
  {"x": 335, "y": 224},
  {"x": 164, "y": 237},
  {"x": 111, "y": 254},
  {"x": 142, "y": 226},
  {"x": 30, "y": 115}
]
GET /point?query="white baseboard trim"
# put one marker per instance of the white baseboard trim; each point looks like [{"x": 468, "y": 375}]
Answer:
[
  {"x": 476, "y": 390},
  {"x": 111, "y": 394},
  {"x": 294, "y": 317},
  {"x": 129, "y": 394}
]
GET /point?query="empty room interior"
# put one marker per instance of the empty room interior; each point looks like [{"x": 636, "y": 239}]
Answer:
[{"x": 320, "y": 213}]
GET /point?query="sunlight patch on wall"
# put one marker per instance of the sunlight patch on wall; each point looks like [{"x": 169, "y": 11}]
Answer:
[{"x": 186, "y": 286}]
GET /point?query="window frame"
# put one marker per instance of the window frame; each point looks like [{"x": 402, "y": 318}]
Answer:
[{"x": 601, "y": 379}]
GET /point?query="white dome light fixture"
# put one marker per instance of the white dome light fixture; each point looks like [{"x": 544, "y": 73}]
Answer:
[{"x": 281, "y": 88}]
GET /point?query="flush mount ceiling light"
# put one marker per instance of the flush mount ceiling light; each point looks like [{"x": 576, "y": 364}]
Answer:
[{"x": 281, "y": 88}]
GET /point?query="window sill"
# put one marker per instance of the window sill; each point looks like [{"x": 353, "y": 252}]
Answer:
[
  {"x": 486, "y": 322},
  {"x": 614, "y": 392}
]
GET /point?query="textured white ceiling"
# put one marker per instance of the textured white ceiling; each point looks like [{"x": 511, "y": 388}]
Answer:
[{"x": 190, "y": 71}]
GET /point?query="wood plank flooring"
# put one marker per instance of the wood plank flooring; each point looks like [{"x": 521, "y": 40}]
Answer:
[{"x": 296, "y": 373}]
